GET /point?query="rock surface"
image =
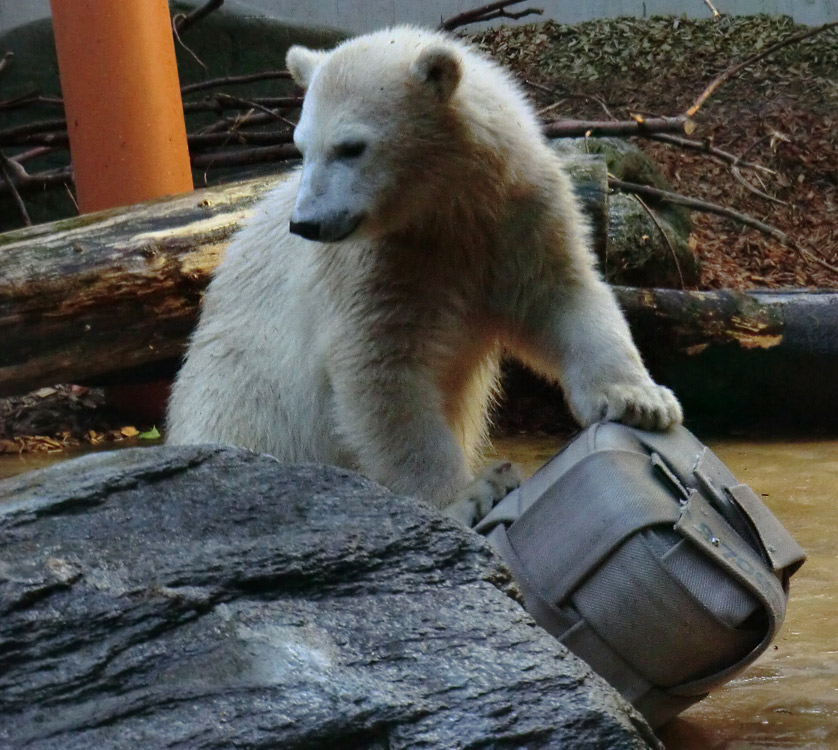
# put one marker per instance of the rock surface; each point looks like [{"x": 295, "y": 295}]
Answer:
[
  {"x": 637, "y": 245},
  {"x": 211, "y": 598}
]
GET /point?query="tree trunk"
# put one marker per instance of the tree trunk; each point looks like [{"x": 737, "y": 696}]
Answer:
[{"x": 761, "y": 359}]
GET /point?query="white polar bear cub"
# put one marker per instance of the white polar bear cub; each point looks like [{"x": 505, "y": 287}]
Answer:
[{"x": 358, "y": 318}]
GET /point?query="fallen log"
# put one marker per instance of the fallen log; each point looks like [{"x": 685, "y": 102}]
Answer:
[
  {"x": 110, "y": 296},
  {"x": 761, "y": 359},
  {"x": 85, "y": 297}
]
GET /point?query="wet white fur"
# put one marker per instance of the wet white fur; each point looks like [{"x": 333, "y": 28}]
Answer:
[{"x": 380, "y": 352}]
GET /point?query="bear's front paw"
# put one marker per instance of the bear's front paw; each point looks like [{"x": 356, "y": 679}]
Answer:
[
  {"x": 649, "y": 407},
  {"x": 493, "y": 484}
]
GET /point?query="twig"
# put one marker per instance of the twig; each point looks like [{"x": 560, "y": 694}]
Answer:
[
  {"x": 665, "y": 236},
  {"x": 713, "y": 208},
  {"x": 198, "y": 141},
  {"x": 18, "y": 135},
  {"x": 189, "y": 50},
  {"x": 215, "y": 83},
  {"x": 487, "y": 13},
  {"x": 716, "y": 14},
  {"x": 255, "y": 105},
  {"x": 240, "y": 121},
  {"x": 730, "y": 72},
  {"x": 736, "y": 163},
  {"x": 6, "y": 164},
  {"x": 72, "y": 196},
  {"x": 737, "y": 173},
  {"x": 639, "y": 126},
  {"x": 552, "y": 92},
  {"x": 23, "y": 181},
  {"x": 31, "y": 97},
  {"x": 183, "y": 22},
  {"x": 244, "y": 156},
  {"x": 6, "y": 60},
  {"x": 223, "y": 102},
  {"x": 34, "y": 153},
  {"x": 705, "y": 147}
]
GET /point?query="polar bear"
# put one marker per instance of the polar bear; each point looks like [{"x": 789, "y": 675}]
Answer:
[{"x": 359, "y": 315}]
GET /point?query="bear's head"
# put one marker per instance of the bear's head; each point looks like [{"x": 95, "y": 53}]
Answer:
[{"x": 376, "y": 132}]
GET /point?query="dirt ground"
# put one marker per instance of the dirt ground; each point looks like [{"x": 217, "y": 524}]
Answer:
[{"x": 781, "y": 113}]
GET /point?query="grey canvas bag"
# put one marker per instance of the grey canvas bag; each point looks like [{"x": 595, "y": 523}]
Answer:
[{"x": 642, "y": 553}]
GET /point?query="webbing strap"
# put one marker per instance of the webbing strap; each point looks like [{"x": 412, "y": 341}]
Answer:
[
  {"x": 693, "y": 461},
  {"x": 554, "y": 620},
  {"x": 708, "y": 530}
]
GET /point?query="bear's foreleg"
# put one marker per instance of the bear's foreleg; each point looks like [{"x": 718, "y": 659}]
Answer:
[
  {"x": 586, "y": 344},
  {"x": 392, "y": 417}
]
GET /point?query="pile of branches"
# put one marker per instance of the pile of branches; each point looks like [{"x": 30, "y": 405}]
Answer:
[{"x": 260, "y": 130}]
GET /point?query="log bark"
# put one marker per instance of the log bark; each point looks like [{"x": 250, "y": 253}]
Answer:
[
  {"x": 114, "y": 290},
  {"x": 113, "y": 296},
  {"x": 761, "y": 359}
]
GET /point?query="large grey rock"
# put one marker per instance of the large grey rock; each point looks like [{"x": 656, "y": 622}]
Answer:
[{"x": 211, "y": 598}]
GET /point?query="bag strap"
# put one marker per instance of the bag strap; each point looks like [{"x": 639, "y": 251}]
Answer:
[
  {"x": 699, "y": 468},
  {"x": 705, "y": 527}
]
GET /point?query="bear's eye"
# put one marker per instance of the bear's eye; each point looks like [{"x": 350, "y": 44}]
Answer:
[{"x": 350, "y": 149}]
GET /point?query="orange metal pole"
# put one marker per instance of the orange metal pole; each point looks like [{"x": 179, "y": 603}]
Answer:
[
  {"x": 121, "y": 92},
  {"x": 122, "y": 100}
]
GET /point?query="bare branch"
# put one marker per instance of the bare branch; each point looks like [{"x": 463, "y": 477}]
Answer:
[
  {"x": 735, "y": 162},
  {"x": 716, "y": 14},
  {"x": 663, "y": 234},
  {"x": 706, "y": 147},
  {"x": 19, "y": 135},
  {"x": 730, "y": 72},
  {"x": 638, "y": 126},
  {"x": 19, "y": 179},
  {"x": 198, "y": 141},
  {"x": 222, "y": 102},
  {"x": 6, "y": 167},
  {"x": 215, "y": 83},
  {"x": 182, "y": 23},
  {"x": 31, "y": 97},
  {"x": 254, "y": 105},
  {"x": 488, "y": 13},
  {"x": 713, "y": 208},
  {"x": 184, "y": 45},
  {"x": 737, "y": 173},
  {"x": 244, "y": 156},
  {"x": 552, "y": 92},
  {"x": 34, "y": 153}
]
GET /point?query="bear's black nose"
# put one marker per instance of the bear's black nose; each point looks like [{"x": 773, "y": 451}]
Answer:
[{"x": 310, "y": 230}]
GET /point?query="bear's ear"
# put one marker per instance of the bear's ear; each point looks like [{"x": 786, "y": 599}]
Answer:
[
  {"x": 302, "y": 62},
  {"x": 439, "y": 67}
]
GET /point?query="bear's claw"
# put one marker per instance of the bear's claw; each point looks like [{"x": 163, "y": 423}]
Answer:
[
  {"x": 493, "y": 484},
  {"x": 648, "y": 407}
]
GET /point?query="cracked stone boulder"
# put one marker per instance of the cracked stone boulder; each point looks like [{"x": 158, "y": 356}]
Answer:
[{"x": 208, "y": 597}]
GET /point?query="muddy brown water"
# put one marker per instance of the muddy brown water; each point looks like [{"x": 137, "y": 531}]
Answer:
[{"x": 789, "y": 697}]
